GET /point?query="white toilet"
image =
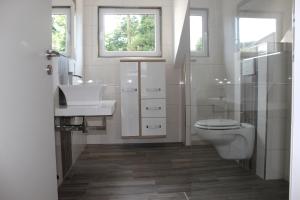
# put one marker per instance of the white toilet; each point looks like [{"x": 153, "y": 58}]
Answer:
[{"x": 232, "y": 140}]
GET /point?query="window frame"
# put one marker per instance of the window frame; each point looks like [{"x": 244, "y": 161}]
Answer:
[
  {"x": 129, "y": 10},
  {"x": 204, "y": 13},
  {"x": 65, "y": 10}
]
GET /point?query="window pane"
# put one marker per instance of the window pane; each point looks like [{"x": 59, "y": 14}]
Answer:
[
  {"x": 196, "y": 33},
  {"x": 265, "y": 31},
  {"x": 59, "y": 32},
  {"x": 131, "y": 32}
]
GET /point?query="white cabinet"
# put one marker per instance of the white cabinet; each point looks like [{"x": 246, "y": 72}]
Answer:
[
  {"x": 153, "y": 80},
  {"x": 143, "y": 98},
  {"x": 130, "y": 99}
]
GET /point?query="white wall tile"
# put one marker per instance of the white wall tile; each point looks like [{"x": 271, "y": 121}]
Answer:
[
  {"x": 173, "y": 113},
  {"x": 260, "y": 161},
  {"x": 204, "y": 84},
  {"x": 188, "y": 125},
  {"x": 108, "y": 74},
  {"x": 275, "y": 164},
  {"x": 78, "y": 144},
  {"x": 112, "y": 92},
  {"x": 173, "y": 94},
  {"x": 90, "y": 38},
  {"x": 90, "y": 16},
  {"x": 173, "y": 75},
  {"x": 277, "y": 133}
]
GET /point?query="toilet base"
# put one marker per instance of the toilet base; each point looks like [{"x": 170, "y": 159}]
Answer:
[
  {"x": 236, "y": 144},
  {"x": 234, "y": 151}
]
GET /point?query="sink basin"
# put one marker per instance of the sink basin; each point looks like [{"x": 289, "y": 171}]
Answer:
[
  {"x": 105, "y": 108},
  {"x": 88, "y": 94}
]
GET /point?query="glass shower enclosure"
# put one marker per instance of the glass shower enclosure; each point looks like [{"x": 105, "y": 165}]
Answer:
[{"x": 240, "y": 86}]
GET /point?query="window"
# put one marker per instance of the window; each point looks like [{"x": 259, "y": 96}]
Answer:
[
  {"x": 265, "y": 31},
  {"x": 199, "y": 32},
  {"x": 129, "y": 32},
  {"x": 61, "y": 34}
]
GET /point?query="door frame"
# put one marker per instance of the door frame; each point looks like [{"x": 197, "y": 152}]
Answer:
[{"x": 295, "y": 136}]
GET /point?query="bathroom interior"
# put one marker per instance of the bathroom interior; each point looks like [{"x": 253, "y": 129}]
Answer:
[{"x": 172, "y": 99}]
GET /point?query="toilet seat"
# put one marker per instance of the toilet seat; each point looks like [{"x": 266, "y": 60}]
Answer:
[
  {"x": 233, "y": 140},
  {"x": 218, "y": 124}
]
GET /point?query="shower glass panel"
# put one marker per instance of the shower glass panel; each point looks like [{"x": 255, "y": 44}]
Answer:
[{"x": 238, "y": 100}]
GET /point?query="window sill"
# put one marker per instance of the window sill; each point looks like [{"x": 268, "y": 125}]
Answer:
[{"x": 142, "y": 59}]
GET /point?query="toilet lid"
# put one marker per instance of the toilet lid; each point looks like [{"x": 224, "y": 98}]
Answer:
[{"x": 218, "y": 124}]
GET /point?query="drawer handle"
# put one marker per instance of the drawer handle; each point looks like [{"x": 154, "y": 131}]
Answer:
[
  {"x": 154, "y": 108},
  {"x": 130, "y": 90},
  {"x": 153, "y": 89},
  {"x": 153, "y": 126}
]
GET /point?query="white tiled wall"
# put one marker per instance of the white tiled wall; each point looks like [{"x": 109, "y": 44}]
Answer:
[
  {"x": 278, "y": 125},
  {"x": 206, "y": 93},
  {"x": 107, "y": 70},
  {"x": 273, "y": 128}
]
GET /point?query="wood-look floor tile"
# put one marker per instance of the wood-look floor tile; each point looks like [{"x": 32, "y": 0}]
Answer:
[{"x": 163, "y": 172}]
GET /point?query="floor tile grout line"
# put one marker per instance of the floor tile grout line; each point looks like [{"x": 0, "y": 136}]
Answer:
[{"x": 186, "y": 197}]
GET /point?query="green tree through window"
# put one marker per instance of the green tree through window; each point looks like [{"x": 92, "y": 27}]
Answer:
[
  {"x": 132, "y": 33},
  {"x": 59, "y": 33},
  {"x": 199, "y": 44}
]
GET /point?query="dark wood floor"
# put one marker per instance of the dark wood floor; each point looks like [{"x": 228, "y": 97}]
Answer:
[{"x": 170, "y": 172}]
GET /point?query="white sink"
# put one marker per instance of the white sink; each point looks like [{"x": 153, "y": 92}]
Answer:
[
  {"x": 105, "y": 108},
  {"x": 85, "y": 100},
  {"x": 88, "y": 94}
]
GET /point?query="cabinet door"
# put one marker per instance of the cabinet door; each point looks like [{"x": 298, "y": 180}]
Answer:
[
  {"x": 153, "y": 126},
  {"x": 153, "y": 81},
  {"x": 129, "y": 99}
]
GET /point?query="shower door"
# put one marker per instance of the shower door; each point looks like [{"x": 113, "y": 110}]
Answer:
[{"x": 245, "y": 76}]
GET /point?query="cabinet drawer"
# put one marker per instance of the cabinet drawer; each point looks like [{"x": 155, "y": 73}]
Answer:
[
  {"x": 153, "y": 108},
  {"x": 153, "y": 92},
  {"x": 153, "y": 126}
]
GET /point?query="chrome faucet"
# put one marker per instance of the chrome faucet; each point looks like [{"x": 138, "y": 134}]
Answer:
[
  {"x": 78, "y": 76},
  {"x": 71, "y": 75}
]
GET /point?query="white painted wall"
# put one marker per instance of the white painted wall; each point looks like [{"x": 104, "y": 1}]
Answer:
[
  {"x": 181, "y": 22},
  {"x": 107, "y": 70},
  {"x": 279, "y": 8},
  {"x": 78, "y": 37},
  {"x": 295, "y": 147},
  {"x": 181, "y": 31}
]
